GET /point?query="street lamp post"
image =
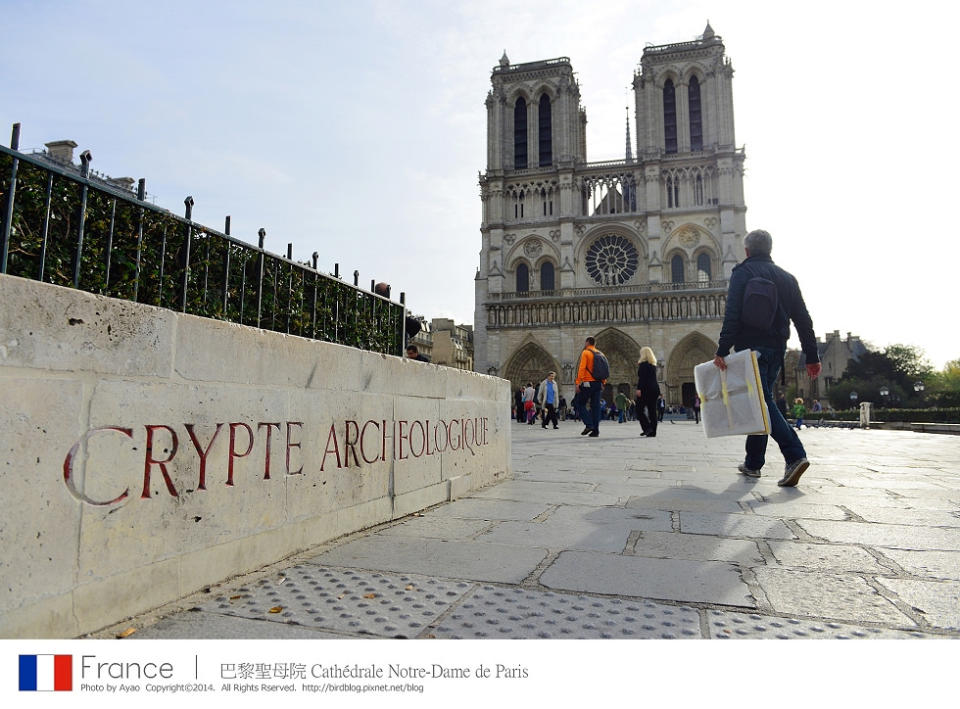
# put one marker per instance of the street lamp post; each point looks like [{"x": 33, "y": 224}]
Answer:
[
  {"x": 853, "y": 399},
  {"x": 884, "y": 392}
]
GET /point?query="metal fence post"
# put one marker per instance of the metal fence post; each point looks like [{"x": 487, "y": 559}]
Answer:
[
  {"x": 188, "y": 203},
  {"x": 226, "y": 266},
  {"x": 11, "y": 196},
  {"x": 141, "y": 195},
  {"x": 403, "y": 322},
  {"x": 262, "y": 233},
  {"x": 85, "y": 158}
]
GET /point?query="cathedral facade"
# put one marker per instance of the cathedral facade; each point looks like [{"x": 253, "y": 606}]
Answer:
[{"x": 635, "y": 251}]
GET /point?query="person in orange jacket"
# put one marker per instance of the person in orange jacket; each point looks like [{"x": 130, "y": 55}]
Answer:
[{"x": 589, "y": 389}]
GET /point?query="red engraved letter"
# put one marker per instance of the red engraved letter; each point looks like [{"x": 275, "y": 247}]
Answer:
[
  {"x": 266, "y": 457},
  {"x": 410, "y": 439},
  {"x": 68, "y": 467},
  {"x": 332, "y": 436},
  {"x": 363, "y": 433},
  {"x": 293, "y": 445},
  {"x": 233, "y": 449},
  {"x": 202, "y": 453},
  {"x": 426, "y": 437},
  {"x": 350, "y": 445},
  {"x": 150, "y": 460},
  {"x": 399, "y": 439},
  {"x": 442, "y": 426},
  {"x": 454, "y": 444}
]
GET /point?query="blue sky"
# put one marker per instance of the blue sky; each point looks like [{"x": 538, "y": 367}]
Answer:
[{"x": 357, "y": 130}]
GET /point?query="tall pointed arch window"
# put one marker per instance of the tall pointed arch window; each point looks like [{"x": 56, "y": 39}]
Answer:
[
  {"x": 676, "y": 269},
  {"x": 546, "y": 276},
  {"x": 696, "y": 121},
  {"x": 523, "y": 278},
  {"x": 670, "y": 117},
  {"x": 703, "y": 268},
  {"x": 520, "y": 134},
  {"x": 545, "y": 132},
  {"x": 698, "y": 190}
]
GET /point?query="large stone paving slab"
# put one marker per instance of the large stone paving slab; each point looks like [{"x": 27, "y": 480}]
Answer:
[
  {"x": 496, "y": 612},
  {"x": 884, "y": 535},
  {"x": 794, "y": 509},
  {"x": 674, "y": 500},
  {"x": 640, "y": 519},
  {"x": 826, "y": 557},
  {"x": 937, "y": 601},
  {"x": 932, "y": 564},
  {"x": 910, "y": 517},
  {"x": 665, "y": 579},
  {"x": 734, "y": 525},
  {"x": 434, "y": 557},
  {"x": 674, "y": 545},
  {"x": 821, "y": 595},
  {"x": 559, "y": 493},
  {"x": 438, "y": 528},
  {"x": 472, "y": 508},
  {"x": 558, "y": 536}
]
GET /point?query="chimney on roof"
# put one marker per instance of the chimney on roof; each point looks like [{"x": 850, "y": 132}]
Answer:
[{"x": 61, "y": 150}]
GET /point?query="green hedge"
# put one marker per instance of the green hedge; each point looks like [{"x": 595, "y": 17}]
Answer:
[{"x": 935, "y": 415}]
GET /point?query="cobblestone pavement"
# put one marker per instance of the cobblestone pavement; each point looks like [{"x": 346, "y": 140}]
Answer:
[{"x": 627, "y": 537}]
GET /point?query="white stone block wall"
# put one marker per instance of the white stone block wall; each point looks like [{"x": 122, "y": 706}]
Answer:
[{"x": 146, "y": 454}]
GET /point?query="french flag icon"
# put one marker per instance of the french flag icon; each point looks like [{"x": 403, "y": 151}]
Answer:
[{"x": 46, "y": 673}]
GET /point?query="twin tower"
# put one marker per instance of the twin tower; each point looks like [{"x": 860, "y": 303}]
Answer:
[{"x": 634, "y": 251}]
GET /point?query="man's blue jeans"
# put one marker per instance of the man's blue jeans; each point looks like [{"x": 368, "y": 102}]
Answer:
[
  {"x": 591, "y": 397},
  {"x": 770, "y": 362}
]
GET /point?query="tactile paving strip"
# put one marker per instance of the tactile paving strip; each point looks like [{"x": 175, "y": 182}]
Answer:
[
  {"x": 725, "y": 624},
  {"x": 385, "y": 605},
  {"x": 493, "y": 612}
]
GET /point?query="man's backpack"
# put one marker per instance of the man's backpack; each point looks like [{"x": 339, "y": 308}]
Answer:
[
  {"x": 760, "y": 302},
  {"x": 601, "y": 367}
]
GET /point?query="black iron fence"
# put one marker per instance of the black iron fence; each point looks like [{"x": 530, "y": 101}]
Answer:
[{"x": 65, "y": 227}]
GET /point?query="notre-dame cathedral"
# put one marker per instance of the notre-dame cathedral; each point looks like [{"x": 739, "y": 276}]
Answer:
[{"x": 635, "y": 251}]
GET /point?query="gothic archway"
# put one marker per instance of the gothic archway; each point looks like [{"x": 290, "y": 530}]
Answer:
[
  {"x": 622, "y": 352},
  {"x": 692, "y": 350},
  {"x": 530, "y": 363}
]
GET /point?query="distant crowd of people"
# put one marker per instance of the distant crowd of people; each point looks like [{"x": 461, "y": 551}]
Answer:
[{"x": 762, "y": 301}]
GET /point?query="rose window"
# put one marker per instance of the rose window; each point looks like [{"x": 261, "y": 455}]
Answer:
[{"x": 611, "y": 260}]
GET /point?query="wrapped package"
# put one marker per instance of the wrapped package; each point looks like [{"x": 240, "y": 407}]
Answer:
[{"x": 731, "y": 401}]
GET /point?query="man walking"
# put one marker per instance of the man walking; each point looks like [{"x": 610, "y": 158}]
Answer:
[
  {"x": 549, "y": 394},
  {"x": 590, "y": 387},
  {"x": 761, "y": 301}
]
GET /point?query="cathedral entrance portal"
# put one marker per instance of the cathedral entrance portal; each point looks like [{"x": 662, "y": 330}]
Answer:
[
  {"x": 692, "y": 350},
  {"x": 531, "y": 363}
]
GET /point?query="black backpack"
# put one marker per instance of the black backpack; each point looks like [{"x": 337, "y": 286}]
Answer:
[
  {"x": 601, "y": 367},
  {"x": 760, "y": 303}
]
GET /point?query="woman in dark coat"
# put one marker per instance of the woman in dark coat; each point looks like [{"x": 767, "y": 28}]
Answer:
[{"x": 648, "y": 391}]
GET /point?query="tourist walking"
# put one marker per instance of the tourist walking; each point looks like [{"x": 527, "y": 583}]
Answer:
[
  {"x": 592, "y": 372},
  {"x": 661, "y": 407},
  {"x": 622, "y": 406},
  {"x": 696, "y": 409},
  {"x": 648, "y": 392},
  {"x": 548, "y": 396},
  {"x": 762, "y": 299},
  {"x": 529, "y": 408}
]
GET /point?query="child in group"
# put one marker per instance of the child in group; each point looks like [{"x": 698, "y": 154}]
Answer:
[{"x": 799, "y": 411}]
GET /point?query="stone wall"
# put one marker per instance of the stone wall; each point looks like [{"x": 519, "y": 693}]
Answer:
[{"x": 145, "y": 454}]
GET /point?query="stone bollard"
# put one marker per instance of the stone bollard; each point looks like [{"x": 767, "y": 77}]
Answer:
[{"x": 865, "y": 414}]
